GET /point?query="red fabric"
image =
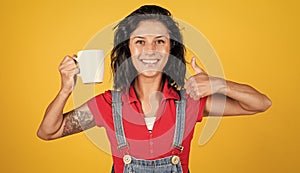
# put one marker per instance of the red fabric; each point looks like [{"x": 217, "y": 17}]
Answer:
[{"x": 142, "y": 143}]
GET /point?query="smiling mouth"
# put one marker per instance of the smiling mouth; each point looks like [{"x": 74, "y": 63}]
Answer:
[{"x": 149, "y": 61}]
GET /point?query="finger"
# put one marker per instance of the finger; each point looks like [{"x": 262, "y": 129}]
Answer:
[
  {"x": 69, "y": 59},
  {"x": 66, "y": 59},
  {"x": 68, "y": 62},
  {"x": 192, "y": 89},
  {"x": 190, "y": 82},
  {"x": 195, "y": 95},
  {"x": 195, "y": 67},
  {"x": 74, "y": 57},
  {"x": 68, "y": 66},
  {"x": 187, "y": 84},
  {"x": 77, "y": 71}
]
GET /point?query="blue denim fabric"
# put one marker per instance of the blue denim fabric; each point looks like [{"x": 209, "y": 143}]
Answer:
[
  {"x": 113, "y": 170},
  {"x": 163, "y": 165}
]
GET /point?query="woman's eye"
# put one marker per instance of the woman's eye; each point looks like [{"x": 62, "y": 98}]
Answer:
[
  {"x": 139, "y": 42},
  {"x": 160, "y": 42}
]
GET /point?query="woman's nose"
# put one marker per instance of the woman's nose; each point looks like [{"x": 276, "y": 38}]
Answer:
[{"x": 149, "y": 47}]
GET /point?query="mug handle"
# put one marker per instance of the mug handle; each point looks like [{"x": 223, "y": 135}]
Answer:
[{"x": 76, "y": 60}]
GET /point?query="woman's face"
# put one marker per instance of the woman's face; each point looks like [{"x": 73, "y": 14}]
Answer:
[{"x": 149, "y": 46}]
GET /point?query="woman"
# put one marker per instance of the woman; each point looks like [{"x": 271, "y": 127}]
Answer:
[{"x": 151, "y": 114}]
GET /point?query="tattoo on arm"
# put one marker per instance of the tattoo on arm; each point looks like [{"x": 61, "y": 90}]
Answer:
[{"x": 77, "y": 121}]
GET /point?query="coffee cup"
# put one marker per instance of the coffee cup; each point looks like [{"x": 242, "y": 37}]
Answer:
[{"x": 91, "y": 65}]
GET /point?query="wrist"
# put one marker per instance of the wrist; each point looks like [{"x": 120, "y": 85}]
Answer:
[
  {"x": 222, "y": 86},
  {"x": 64, "y": 93},
  {"x": 226, "y": 88}
]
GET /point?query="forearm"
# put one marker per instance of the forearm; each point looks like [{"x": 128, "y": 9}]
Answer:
[
  {"x": 53, "y": 118},
  {"x": 248, "y": 98}
]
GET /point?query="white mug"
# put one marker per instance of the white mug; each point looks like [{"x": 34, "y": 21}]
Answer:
[{"x": 91, "y": 65}]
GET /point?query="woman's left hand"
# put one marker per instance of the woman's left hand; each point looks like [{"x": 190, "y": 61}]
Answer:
[{"x": 202, "y": 85}]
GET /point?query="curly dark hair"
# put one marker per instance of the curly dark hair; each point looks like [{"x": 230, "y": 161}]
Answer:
[{"x": 121, "y": 64}]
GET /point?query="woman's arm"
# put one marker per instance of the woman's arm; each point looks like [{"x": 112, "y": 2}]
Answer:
[
  {"x": 56, "y": 124},
  {"x": 236, "y": 99},
  {"x": 225, "y": 97}
]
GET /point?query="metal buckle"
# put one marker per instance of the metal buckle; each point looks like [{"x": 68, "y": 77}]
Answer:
[
  {"x": 177, "y": 150},
  {"x": 125, "y": 152},
  {"x": 127, "y": 159},
  {"x": 175, "y": 160}
]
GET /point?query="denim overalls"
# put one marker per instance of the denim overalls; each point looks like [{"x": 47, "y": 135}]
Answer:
[{"x": 169, "y": 164}]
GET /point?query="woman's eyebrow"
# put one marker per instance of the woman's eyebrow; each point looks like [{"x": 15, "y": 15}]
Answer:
[
  {"x": 161, "y": 36},
  {"x": 144, "y": 36},
  {"x": 138, "y": 37}
]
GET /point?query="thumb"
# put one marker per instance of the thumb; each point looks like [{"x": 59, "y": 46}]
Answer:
[{"x": 196, "y": 68}]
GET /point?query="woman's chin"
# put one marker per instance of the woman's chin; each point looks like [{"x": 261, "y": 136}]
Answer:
[{"x": 150, "y": 73}]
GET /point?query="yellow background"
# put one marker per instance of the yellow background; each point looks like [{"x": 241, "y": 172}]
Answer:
[{"x": 257, "y": 42}]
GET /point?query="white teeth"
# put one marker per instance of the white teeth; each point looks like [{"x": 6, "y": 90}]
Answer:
[{"x": 149, "y": 61}]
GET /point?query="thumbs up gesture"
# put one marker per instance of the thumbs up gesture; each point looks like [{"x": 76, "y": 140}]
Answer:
[{"x": 202, "y": 85}]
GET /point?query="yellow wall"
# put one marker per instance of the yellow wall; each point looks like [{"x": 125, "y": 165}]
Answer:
[{"x": 257, "y": 42}]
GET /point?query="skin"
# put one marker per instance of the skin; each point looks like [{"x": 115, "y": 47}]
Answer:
[
  {"x": 149, "y": 46},
  {"x": 150, "y": 41}
]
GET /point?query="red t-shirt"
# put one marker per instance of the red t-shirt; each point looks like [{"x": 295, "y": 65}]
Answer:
[{"x": 144, "y": 144}]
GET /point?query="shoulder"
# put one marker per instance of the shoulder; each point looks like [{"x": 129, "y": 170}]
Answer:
[
  {"x": 196, "y": 107},
  {"x": 106, "y": 97},
  {"x": 100, "y": 101},
  {"x": 100, "y": 107},
  {"x": 103, "y": 97}
]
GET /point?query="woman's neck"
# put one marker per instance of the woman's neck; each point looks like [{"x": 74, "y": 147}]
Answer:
[
  {"x": 148, "y": 91},
  {"x": 145, "y": 86}
]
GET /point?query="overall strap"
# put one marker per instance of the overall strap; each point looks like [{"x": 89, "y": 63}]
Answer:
[
  {"x": 117, "y": 117},
  {"x": 118, "y": 122},
  {"x": 180, "y": 121}
]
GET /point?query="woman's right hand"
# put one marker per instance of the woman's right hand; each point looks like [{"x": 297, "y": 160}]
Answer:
[
  {"x": 56, "y": 124},
  {"x": 68, "y": 70}
]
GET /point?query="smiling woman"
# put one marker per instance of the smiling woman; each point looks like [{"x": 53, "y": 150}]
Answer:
[
  {"x": 150, "y": 46},
  {"x": 148, "y": 61},
  {"x": 141, "y": 25}
]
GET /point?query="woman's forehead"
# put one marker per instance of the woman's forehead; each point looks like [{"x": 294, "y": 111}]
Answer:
[{"x": 150, "y": 28}]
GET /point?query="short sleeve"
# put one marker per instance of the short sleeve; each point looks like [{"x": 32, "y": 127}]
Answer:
[
  {"x": 196, "y": 107},
  {"x": 201, "y": 108},
  {"x": 100, "y": 107}
]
